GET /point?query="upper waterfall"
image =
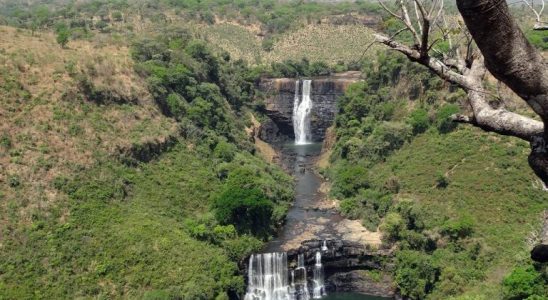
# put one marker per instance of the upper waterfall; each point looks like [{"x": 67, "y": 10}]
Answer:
[{"x": 301, "y": 113}]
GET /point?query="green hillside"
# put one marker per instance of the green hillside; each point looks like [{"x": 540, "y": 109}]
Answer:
[
  {"x": 129, "y": 167},
  {"x": 459, "y": 204}
]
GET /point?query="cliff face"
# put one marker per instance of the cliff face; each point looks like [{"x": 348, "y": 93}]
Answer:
[{"x": 280, "y": 99}]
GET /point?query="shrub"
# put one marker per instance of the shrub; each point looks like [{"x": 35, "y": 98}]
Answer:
[
  {"x": 267, "y": 44},
  {"x": 392, "y": 185},
  {"x": 117, "y": 16},
  {"x": 5, "y": 141},
  {"x": 101, "y": 25},
  {"x": 523, "y": 283},
  {"x": 443, "y": 121},
  {"x": 224, "y": 151},
  {"x": 392, "y": 226},
  {"x": 539, "y": 39},
  {"x": 319, "y": 69},
  {"x": 241, "y": 247},
  {"x": 415, "y": 274},
  {"x": 442, "y": 181},
  {"x": 177, "y": 105},
  {"x": 349, "y": 179},
  {"x": 419, "y": 121},
  {"x": 63, "y": 35},
  {"x": 386, "y": 138},
  {"x": 156, "y": 295},
  {"x": 461, "y": 228},
  {"x": 14, "y": 181},
  {"x": 349, "y": 208}
]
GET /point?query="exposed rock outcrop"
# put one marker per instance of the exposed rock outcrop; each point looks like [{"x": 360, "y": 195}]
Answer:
[
  {"x": 359, "y": 281},
  {"x": 341, "y": 255},
  {"x": 145, "y": 151},
  {"x": 280, "y": 100}
]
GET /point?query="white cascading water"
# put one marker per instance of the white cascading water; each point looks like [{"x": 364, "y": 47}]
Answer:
[
  {"x": 305, "y": 294},
  {"x": 319, "y": 288},
  {"x": 324, "y": 246},
  {"x": 301, "y": 113},
  {"x": 268, "y": 278}
]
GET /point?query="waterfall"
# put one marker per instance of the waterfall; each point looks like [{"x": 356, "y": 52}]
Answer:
[
  {"x": 324, "y": 246},
  {"x": 319, "y": 288},
  {"x": 301, "y": 113},
  {"x": 304, "y": 293},
  {"x": 268, "y": 277}
]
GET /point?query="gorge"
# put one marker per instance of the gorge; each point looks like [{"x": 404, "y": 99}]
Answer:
[{"x": 317, "y": 252}]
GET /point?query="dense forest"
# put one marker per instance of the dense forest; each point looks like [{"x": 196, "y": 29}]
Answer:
[{"x": 130, "y": 167}]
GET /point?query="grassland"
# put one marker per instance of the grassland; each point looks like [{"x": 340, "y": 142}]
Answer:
[{"x": 319, "y": 42}]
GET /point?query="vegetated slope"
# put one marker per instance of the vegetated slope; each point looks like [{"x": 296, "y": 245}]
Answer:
[
  {"x": 458, "y": 205},
  {"x": 489, "y": 184},
  {"x": 61, "y": 109},
  {"x": 319, "y": 42},
  {"x": 325, "y": 42},
  {"x": 133, "y": 233},
  {"x": 104, "y": 196}
]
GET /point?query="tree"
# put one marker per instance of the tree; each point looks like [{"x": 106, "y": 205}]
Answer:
[
  {"x": 415, "y": 274},
  {"x": 504, "y": 51},
  {"x": 63, "y": 34},
  {"x": 247, "y": 209}
]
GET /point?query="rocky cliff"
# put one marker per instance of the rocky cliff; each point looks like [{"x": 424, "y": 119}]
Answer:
[
  {"x": 346, "y": 266},
  {"x": 279, "y": 102}
]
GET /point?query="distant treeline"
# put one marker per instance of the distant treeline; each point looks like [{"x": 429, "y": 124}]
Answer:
[{"x": 274, "y": 16}]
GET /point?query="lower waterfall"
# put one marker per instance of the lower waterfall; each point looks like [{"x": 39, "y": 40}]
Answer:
[
  {"x": 319, "y": 288},
  {"x": 302, "y": 292},
  {"x": 269, "y": 278}
]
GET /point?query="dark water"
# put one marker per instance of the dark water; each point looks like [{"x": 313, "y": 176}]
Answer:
[
  {"x": 352, "y": 296},
  {"x": 304, "y": 220}
]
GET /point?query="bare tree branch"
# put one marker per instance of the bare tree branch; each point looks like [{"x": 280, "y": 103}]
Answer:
[
  {"x": 508, "y": 54},
  {"x": 418, "y": 17},
  {"x": 469, "y": 75},
  {"x": 407, "y": 21},
  {"x": 390, "y": 11},
  {"x": 538, "y": 14},
  {"x": 433, "y": 64}
]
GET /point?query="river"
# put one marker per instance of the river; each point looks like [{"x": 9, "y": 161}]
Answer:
[{"x": 275, "y": 275}]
